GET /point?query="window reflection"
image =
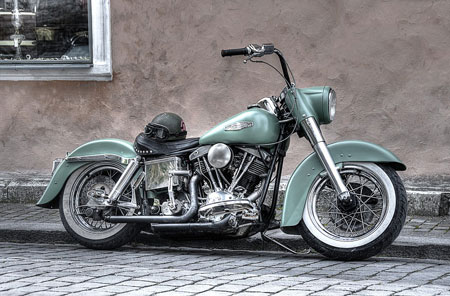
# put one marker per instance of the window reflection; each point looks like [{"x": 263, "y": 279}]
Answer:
[{"x": 44, "y": 31}]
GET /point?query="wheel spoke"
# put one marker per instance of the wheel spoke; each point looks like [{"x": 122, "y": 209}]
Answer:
[
  {"x": 362, "y": 218},
  {"x": 350, "y": 224},
  {"x": 370, "y": 196},
  {"x": 342, "y": 219},
  {"x": 368, "y": 207}
]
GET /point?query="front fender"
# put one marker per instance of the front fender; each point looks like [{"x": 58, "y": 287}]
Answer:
[
  {"x": 98, "y": 150},
  {"x": 305, "y": 174}
]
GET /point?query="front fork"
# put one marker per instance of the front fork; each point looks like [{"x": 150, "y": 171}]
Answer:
[{"x": 319, "y": 145}]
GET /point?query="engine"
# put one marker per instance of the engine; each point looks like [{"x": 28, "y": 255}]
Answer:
[
  {"x": 231, "y": 184},
  {"x": 233, "y": 180}
]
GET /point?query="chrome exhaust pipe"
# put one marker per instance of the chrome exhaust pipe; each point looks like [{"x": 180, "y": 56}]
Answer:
[
  {"x": 208, "y": 227},
  {"x": 193, "y": 209}
]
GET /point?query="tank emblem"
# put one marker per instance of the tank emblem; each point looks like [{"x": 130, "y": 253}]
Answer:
[{"x": 237, "y": 126}]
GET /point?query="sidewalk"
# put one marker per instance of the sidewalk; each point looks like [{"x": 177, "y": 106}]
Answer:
[{"x": 421, "y": 237}]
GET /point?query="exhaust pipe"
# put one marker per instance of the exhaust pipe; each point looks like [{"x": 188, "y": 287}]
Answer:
[
  {"x": 193, "y": 209},
  {"x": 210, "y": 227}
]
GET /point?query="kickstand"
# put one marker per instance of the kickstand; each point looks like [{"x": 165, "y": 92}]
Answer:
[{"x": 268, "y": 238}]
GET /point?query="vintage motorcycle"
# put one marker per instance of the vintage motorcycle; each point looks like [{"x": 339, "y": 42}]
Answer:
[{"x": 345, "y": 199}]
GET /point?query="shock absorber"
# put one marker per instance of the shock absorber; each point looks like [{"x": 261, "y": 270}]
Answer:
[{"x": 124, "y": 180}]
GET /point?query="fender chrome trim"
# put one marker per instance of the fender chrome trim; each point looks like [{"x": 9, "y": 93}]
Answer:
[{"x": 98, "y": 157}]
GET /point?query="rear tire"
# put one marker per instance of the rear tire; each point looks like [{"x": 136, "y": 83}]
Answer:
[
  {"x": 94, "y": 233},
  {"x": 364, "y": 231}
]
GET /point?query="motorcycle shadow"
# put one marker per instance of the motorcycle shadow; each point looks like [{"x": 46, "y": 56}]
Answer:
[{"x": 210, "y": 241}]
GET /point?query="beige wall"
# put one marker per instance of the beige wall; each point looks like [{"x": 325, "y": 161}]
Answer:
[{"x": 389, "y": 62}]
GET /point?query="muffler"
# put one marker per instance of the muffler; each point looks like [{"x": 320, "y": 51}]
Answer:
[{"x": 209, "y": 227}]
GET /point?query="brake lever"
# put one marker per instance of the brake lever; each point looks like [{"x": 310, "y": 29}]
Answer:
[
  {"x": 259, "y": 51},
  {"x": 248, "y": 58}
]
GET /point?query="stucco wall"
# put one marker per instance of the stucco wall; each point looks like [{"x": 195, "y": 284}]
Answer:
[{"x": 388, "y": 61}]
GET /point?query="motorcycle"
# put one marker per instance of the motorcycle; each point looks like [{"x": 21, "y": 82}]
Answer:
[{"x": 345, "y": 199}]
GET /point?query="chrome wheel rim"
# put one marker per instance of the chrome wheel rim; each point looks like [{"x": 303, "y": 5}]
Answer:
[
  {"x": 98, "y": 177},
  {"x": 375, "y": 197}
]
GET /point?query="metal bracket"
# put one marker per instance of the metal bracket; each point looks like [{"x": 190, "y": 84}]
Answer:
[
  {"x": 170, "y": 191},
  {"x": 172, "y": 204}
]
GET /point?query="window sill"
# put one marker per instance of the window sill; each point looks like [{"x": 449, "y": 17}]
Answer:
[
  {"x": 56, "y": 72},
  {"x": 18, "y": 67}
]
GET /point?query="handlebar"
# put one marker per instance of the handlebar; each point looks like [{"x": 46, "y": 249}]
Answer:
[
  {"x": 255, "y": 50},
  {"x": 235, "y": 51}
]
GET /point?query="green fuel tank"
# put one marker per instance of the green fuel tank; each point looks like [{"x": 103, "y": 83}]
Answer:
[{"x": 255, "y": 126}]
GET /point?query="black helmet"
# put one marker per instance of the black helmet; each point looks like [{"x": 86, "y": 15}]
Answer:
[{"x": 166, "y": 127}]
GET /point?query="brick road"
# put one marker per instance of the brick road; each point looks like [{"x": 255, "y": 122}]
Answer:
[{"x": 45, "y": 269}]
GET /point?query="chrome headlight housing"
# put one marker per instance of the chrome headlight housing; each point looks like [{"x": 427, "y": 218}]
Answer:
[
  {"x": 268, "y": 104},
  {"x": 331, "y": 104}
]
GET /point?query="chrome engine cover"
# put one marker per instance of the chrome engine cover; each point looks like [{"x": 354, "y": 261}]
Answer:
[
  {"x": 220, "y": 155},
  {"x": 219, "y": 203},
  {"x": 219, "y": 196},
  {"x": 233, "y": 181}
]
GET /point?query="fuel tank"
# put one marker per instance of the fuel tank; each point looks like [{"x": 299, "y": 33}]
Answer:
[{"x": 254, "y": 126}]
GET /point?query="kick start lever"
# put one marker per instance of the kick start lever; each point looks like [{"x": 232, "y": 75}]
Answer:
[{"x": 283, "y": 246}]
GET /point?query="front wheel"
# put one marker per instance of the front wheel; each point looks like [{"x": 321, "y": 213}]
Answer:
[
  {"x": 363, "y": 230},
  {"x": 84, "y": 219}
]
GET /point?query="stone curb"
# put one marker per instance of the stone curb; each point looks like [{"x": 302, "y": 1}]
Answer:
[
  {"x": 403, "y": 247},
  {"x": 432, "y": 200},
  {"x": 22, "y": 190}
]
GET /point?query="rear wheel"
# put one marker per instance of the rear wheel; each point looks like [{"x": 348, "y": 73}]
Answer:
[
  {"x": 363, "y": 230},
  {"x": 81, "y": 214}
]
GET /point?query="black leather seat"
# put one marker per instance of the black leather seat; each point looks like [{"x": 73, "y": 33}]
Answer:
[{"x": 145, "y": 146}]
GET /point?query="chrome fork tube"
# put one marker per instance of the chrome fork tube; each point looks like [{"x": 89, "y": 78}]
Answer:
[
  {"x": 319, "y": 145},
  {"x": 123, "y": 181}
]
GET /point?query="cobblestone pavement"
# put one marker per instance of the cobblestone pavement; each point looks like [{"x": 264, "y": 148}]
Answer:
[
  {"x": 438, "y": 226},
  {"x": 43, "y": 269},
  {"x": 28, "y": 213}
]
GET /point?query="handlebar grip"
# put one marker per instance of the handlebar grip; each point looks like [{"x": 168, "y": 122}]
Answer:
[{"x": 234, "y": 51}]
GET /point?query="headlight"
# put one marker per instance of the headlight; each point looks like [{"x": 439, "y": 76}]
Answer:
[{"x": 332, "y": 104}]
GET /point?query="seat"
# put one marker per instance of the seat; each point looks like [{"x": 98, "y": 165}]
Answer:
[{"x": 145, "y": 146}]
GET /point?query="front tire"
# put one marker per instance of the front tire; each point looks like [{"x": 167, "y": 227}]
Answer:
[
  {"x": 361, "y": 232},
  {"x": 94, "y": 232}
]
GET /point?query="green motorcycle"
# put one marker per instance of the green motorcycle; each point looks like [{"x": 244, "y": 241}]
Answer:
[{"x": 345, "y": 199}]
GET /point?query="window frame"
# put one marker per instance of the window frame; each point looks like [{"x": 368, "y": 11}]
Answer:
[{"x": 100, "y": 69}]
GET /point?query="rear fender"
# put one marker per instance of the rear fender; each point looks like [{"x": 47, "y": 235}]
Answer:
[
  {"x": 99, "y": 150},
  {"x": 303, "y": 177}
]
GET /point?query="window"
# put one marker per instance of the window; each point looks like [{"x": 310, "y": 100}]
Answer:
[
  {"x": 55, "y": 40},
  {"x": 45, "y": 31}
]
